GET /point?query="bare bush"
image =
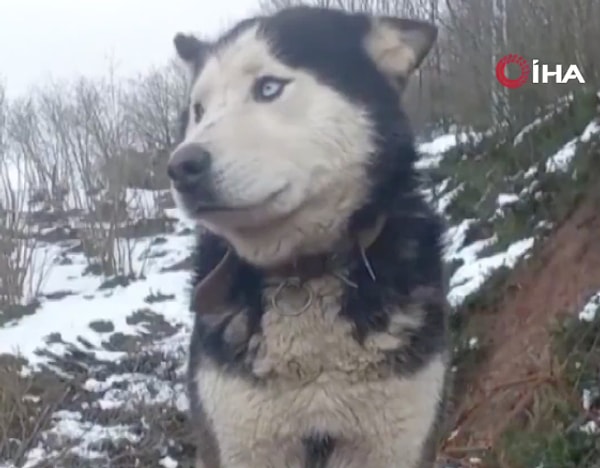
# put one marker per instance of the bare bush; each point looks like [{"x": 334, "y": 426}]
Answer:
[
  {"x": 27, "y": 403},
  {"x": 96, "y": 151},
  {"x": 153, "y": 102},
  {"x": 23, "y": 266}
]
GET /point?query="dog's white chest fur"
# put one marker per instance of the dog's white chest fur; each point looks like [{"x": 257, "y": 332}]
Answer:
[
  {"x": 318, "y": 379},
  {"x": 303, "y": 335}
]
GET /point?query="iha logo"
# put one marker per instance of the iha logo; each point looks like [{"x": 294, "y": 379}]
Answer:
[{"x": 536, "y": 70}]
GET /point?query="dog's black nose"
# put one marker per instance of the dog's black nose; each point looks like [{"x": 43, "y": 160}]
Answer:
[{"x": 188, "y": 164}]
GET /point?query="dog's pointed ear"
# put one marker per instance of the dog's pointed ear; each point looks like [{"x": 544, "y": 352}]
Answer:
[
  {"x": 398, "y": 46},
  {"x": 191, "y": 50}
]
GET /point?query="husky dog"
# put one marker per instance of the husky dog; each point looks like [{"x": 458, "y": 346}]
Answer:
[{"x": 320, "y": 334}]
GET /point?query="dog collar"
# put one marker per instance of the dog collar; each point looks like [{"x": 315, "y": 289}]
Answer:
[{"x": 210, "y": 293}]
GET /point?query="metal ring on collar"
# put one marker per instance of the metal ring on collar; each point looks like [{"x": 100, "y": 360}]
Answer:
[{"x": 294, "y": 283}]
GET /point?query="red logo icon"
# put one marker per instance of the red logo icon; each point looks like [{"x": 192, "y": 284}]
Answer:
[{"x": 501, "y": 71}]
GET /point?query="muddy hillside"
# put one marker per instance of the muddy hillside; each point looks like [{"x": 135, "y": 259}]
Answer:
[{"x": 524, "y": 257}]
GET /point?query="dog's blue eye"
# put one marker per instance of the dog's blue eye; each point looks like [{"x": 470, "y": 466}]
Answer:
[{"x": 268, "y": 88}]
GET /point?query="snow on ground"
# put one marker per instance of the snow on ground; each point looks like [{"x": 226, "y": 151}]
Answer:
[
  {"x": 83, "y": 318},
  {"x": 589, "y": 311},
  {"x": 71, "y": 317},
  {"x": 471, "y": 275},
  {"x": 561, "y": 160},
  {"x": 507, "y": 199},
  {"x": 474, "y": 269},
  {"x": 441, "y": 203},
  {"x": 85, "y": 295},
  {"x": 439, "y": 145},
  {"x": 561, "y": 105},
  {"x": 432, "y": 152},
  {"x": 444, "y": 143}
]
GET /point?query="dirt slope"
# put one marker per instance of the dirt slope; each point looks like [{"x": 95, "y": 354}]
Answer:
[{"x": 557, "y": 280}]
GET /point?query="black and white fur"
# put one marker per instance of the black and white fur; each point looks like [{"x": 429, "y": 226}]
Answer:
[{"x": 295, "y": 141}]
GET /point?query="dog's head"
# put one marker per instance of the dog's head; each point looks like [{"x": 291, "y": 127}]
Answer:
[{"x": 287, "y": 116}]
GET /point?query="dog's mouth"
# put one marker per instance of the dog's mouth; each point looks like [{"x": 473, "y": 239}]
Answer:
[
  {"x": 209, "y": 207},
  {"x": 201, "y": 208}
]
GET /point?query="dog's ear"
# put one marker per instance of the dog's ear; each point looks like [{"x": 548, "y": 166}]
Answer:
[
  {"x": 191, "y": 50},
  {"x": 398, "y": 45}
]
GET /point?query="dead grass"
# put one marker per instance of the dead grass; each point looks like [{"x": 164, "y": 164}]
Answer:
[
  {"x": 26, "y": 406},
  {"x": 549, "y": 429}
]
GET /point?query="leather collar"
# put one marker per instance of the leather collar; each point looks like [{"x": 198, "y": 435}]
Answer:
[{"x": 210, "y": 294}]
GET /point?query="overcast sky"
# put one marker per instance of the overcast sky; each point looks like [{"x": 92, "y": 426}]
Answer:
[{"x": 64, "y": 38}]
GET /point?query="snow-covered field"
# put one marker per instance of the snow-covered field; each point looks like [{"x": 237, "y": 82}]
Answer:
[
  {"x": 85, "y": 323},
  {"x": 126, "y": 341}
]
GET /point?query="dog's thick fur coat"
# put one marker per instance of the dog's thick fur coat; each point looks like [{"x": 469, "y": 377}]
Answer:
[{"x": 296, "y": 146}]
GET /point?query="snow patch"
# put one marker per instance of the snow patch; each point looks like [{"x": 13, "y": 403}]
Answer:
[
  {"x": 440, "y": 144},
  {"x": 590, "y": 428},
  {"x": 433, "y": 151},
  {"x": 168, "y": 462},
  {"x": 71, "y": 317},
  {"x": 475, "y": 271},
  {"x": 561, "y": 106},
  {"x": 590, "y": 131},
  {"x": 505, "y": 199},
  {"x": 562, "y": 159},
  {"x": 589, "y": 311}
]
